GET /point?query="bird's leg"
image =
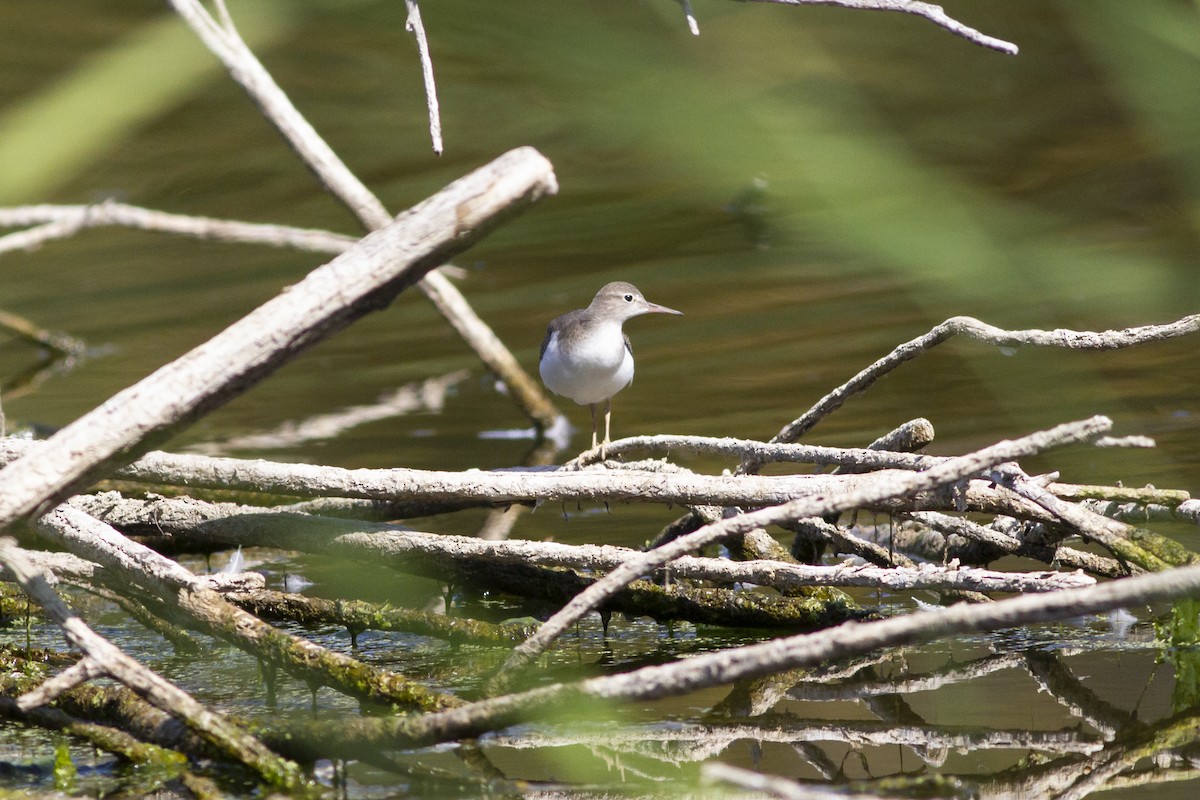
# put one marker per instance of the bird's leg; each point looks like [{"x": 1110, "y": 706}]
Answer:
[
  {"x": 607, "y": 423},
  {"x": 592, "y": 406}
]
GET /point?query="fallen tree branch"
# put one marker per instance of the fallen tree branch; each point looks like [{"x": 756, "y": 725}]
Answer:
[
  {"x": 101, "y": 657},
  {"x": 711, "y": 737},
  {"x": 764, "y": 452},
  {"x": 943, "y": 540},
  {"x": 470, "y": 488},
  {"x": 1138, "y": 546},
  {"x": 706, "y": 670},
  {"x": 178, "y": 591},
  {"x": 466, "y": 561},
  {"x": 337, "y": 178},
  {"x": 434, "y": 491},
  {"x": 362, "y": 279},
  {"x": 197, "y": 524},
  {"x": 948, "y": 472}
]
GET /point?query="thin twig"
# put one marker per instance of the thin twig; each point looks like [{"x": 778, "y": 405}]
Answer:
[
  {"x": 988, "y": 334},
  {"x": 61, "y": 221},
  {"x": 59, "y": 342},
  {"x": 690, "y": 16},
  {"x": 929, "y": 11},
  {"x": 416, "y": 27}
]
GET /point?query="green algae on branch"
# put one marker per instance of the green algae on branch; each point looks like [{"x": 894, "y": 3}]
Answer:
[
  {"x": 359, "y": 615},
  {"x": 352, "y": 676},
  {"x": 741, "y": 609}
]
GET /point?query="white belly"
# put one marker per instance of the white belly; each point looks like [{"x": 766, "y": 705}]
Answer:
[{"x": 591, "y": 374}]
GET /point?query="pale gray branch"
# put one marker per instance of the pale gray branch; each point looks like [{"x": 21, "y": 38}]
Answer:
[
  {"x": 948, "y": 472},
  {"x": 706, "y": 740},
  {"x": 360, "y": 280},
  {"x": 102, "y": 657},
  {"x": 416, "y": 27},
  {"x": 988, "y": 334},
  {"x": 231, "y": 525},
  {"x": 931, "y": 12},
  {"x": 472, "y": 487},
  {"x": 337, "y": 178},
  {"x": 60, "y": 221}
]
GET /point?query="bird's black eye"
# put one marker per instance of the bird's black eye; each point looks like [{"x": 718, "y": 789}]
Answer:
[{"x": 628, "y": 298}]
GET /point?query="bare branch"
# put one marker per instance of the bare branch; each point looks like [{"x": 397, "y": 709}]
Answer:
[
  {"x": 1142, "y": 548},
  {"x": 57, "y": 222},
  {"x": 101, "y": 656},
  {"x": 185, "y": 519},
  {"x": 416, "y": 27},
  {"x": 929, "y": 11},
  {"x": 988, "y": 334},
  {"x": 83, "y": 671},
  {"x": 363, "y": 278},
  {"x": 950, "y": 471},
  {"x": 337, "y": 178}
]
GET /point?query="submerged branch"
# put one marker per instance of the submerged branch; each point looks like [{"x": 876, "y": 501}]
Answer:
[
  {"x": 804, "y": 650},
  {"x": 61, "y": 343},
  {"x": 101, "y": 657},
  {"x": 179, "y": 592}
]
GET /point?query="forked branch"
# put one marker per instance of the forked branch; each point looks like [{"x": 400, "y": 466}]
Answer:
[{"x": 934, "y": 13}]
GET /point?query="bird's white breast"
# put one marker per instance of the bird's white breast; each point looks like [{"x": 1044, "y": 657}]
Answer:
[{"x": 592, "y": 369}]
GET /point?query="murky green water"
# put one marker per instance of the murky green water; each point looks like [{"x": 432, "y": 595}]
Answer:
[{"x": 810, "y": 186}]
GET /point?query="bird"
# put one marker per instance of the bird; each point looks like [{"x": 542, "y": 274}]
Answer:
[{"x": 586, "y": 355}]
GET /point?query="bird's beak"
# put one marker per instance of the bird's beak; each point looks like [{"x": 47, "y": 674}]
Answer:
[{"x": 655, "y": 308}]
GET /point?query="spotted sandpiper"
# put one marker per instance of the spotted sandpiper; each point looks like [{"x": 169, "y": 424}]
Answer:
[{"x": 586, "y": 355}]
